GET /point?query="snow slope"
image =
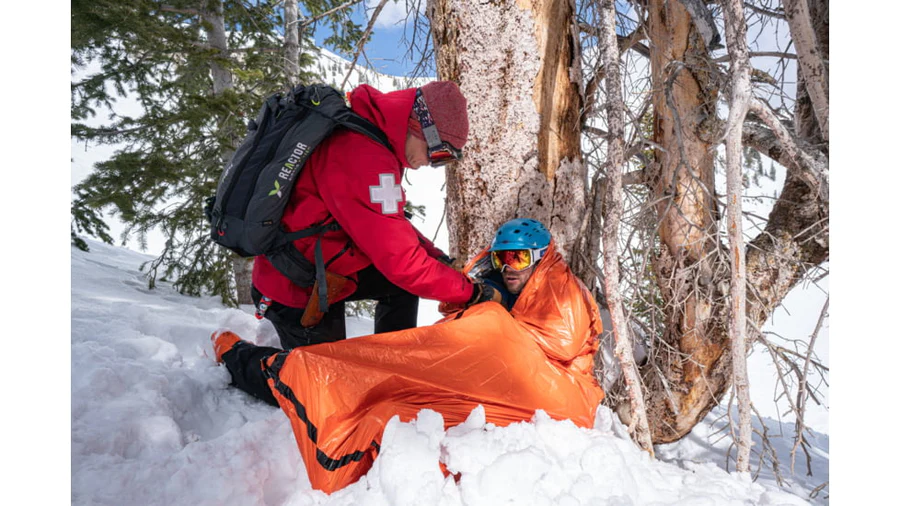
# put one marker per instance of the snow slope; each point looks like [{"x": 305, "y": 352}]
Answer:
[{"x": 154, "y": 421}]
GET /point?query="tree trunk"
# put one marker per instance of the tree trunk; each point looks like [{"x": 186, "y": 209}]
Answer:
[
  {"x": 243, "y": 278},
  {"x": 523, "y": 157},
  {"x": 291, "y": 43},
  {"x": 796, "y": 237},
  {"x": 214, "y": 23},
  {"x": 806, "y": 124},
  {"x": 811, "y": 62},
  {"x": 692, "y": 367},
  {"x": 739, "y": 104},
  {"x": 222, "y": 80}
]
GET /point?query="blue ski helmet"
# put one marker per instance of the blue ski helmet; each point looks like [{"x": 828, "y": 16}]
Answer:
[{"x": 521, "y": 233}]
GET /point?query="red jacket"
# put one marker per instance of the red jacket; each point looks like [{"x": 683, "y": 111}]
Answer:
[{"x": 356, "y": 181}]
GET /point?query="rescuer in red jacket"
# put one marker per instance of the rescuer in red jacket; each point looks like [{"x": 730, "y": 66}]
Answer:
[{"x": 377, "y": 253}]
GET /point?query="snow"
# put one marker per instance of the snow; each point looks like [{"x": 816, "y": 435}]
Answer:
[{"x": 154, "y": 421}]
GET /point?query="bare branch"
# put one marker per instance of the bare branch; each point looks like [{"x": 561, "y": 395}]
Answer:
[
  {"x": 625, "y": 42},
  {"x": 254, "y": 49},
  {"x": 308, "y": 21},
  {"x": 760, "y": 54},
  {"x": 799, "y": 425},
  {"x": 813, "y": 170},
  {"x": 175, "y": 10},
  {"x": 112, "y": 132},
  {"x": 362, "y": 41},
  {"x": 777, "y": 14},
  {"x": 599, "y": 132}
]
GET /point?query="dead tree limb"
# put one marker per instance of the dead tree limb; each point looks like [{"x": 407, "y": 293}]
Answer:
[
  {"x": 799, "y": 425},
  {"x": 704, "y": 22},
  {"x": 760, "y": 54},
  {"x": 813, "y": 170},
  {"x": 638, "y": 426},
  {"x": 812, "y": 66},
  {"x": 739, "y": 104},
  {"x": 362, "y": 41},
  {"x": 308, "y": 21}
]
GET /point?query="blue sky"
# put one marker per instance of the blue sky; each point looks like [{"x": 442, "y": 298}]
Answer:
[{"x": 386, "y": 49}]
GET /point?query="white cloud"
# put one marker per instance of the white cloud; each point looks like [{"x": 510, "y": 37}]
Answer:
[{"x": 393, "y": 15}]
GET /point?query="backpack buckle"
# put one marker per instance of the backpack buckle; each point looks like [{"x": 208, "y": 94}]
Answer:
[{"x": 316, "y": 99}]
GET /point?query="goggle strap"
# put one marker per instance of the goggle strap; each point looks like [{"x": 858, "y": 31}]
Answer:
[{"x": 432, "y": 138}]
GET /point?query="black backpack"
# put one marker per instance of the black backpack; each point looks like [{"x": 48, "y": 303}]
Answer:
[{"x": 245, "y": 214}]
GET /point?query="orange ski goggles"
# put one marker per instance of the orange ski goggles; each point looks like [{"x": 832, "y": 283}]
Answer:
[{"x": 516, "y": 259}]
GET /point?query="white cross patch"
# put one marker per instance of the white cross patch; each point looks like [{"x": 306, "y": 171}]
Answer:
[{"x": 387, "y": 194}]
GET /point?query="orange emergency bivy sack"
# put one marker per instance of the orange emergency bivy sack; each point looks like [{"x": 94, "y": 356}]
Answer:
[{"x": 339, "y": 396}]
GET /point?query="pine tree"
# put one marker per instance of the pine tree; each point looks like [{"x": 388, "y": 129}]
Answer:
[{"x": 199, "y": 70}]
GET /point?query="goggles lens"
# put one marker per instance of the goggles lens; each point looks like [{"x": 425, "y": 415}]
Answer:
[
  {"x": 515, "y": 259},
  {"x": 443, "y": 154}
]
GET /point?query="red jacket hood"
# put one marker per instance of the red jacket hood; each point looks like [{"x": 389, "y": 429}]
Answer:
[{"x": 388, "y": 111}]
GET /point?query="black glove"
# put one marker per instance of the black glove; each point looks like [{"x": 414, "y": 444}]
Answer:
[
  {"x": 446, "y": 260},
  {"x": 484, "y": 293}
]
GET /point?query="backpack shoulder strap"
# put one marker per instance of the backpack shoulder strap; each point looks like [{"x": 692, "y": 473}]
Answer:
[
  {"x": 357, "y": 123},
  {"x": 313, "y": 230}
]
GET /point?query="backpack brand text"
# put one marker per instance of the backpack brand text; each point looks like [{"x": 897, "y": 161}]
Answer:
[{"x": 291, "y": 164}]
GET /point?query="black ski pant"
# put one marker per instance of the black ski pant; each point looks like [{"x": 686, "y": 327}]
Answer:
[
  {"x": 244, "y": 362},
  {"x": 395, "y": 309}
]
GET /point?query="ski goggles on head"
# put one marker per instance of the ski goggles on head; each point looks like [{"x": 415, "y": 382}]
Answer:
[
  {"x": 439, "y": 152},
  {"x": 516, "y": 259}
]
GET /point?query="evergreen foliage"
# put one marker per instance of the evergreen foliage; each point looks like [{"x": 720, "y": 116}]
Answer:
[{"x": 177, "y": 144}]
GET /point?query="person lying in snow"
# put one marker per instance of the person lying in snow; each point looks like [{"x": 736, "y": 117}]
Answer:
[{"x": 537, "y": 355}]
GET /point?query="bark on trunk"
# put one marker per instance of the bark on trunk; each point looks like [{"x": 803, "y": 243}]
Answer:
[
  {"x": 523, "y": 156},
  {"x": 291, "y": 42},
  {"x": 806, "y": 125},
  {"x": 243, "y": 278},
  {"x": 739, "y": 104},
  {"x": 218, "y": 39},
  {"x": 638, "y": 428}
]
